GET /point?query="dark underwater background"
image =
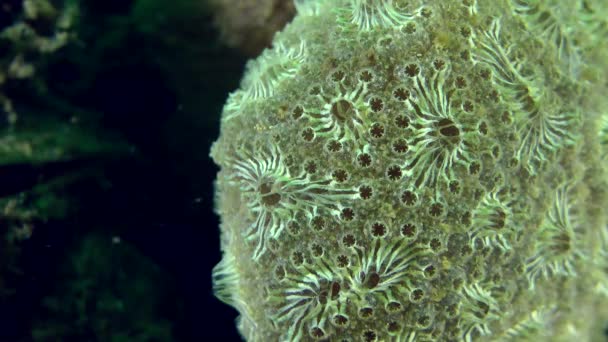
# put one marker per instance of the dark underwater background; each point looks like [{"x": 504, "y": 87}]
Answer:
[{"x": 106, "y": 187}]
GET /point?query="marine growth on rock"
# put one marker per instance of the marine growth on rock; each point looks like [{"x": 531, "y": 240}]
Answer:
[{"x": 420, "y": 170}]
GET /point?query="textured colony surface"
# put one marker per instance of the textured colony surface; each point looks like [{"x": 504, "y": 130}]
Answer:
[{"x": 410, "y": 170}]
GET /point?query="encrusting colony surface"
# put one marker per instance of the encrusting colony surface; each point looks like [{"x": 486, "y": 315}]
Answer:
[{"x": 415, "y": 170}]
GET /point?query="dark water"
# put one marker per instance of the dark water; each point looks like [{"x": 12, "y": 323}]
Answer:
[{"x": 123, "y": 234}]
